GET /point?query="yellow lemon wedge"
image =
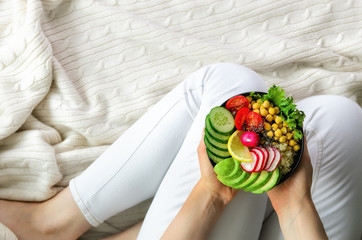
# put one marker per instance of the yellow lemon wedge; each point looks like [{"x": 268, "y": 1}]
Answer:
[{"x": 237, "y": 150}]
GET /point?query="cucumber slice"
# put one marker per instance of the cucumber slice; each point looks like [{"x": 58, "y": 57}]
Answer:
[
  {"x": 215, "y": 151},
  {"x": 216, "y": 144},
  {"x": 227, "y": 168},
  {"x": 273, "y": 180},
  {"x": 222, "y": 121},
  {"x": 251, "y": 179},
  {"x": 213, "y": 157},
  {"x": 262, "y": 179},
  {"x": 217, "y": 136}
]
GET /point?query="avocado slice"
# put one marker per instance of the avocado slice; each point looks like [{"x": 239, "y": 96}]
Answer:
[
  {"x": 227, "y": 168},
  {"x": 262, "y": 179},
  {"x": 236, "y": 181},
  {"x": 251, "y": 179},
  {"x": 273, "y": 180}
]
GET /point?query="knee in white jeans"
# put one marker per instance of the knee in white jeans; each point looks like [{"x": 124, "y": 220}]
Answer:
[{"x": 224, "y": 80}]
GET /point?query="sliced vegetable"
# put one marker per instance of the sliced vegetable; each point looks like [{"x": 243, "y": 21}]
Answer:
[
  {"x": 262, "y": 179},
  {"x": 261, "y": 159},
  {"x": 217, "y": 136},
  {"x": 215, "y": 151},
  {"x": 236, "y": 149},
  {"x": 251, "y": 179},
  {"x": 275, "y": 162},
  {"x": 254, "y": 122},
  {"x": 236, "y": 103},
  {"x": 271, "y": 157},
  {"x": 221, "y": 120},
  {"x": 226, "y": 168},
  {"x": 273, "y": 180},
  {"x": 215, "y": 143},
  {"x": 250, "y": 166},
  {"x": 265, "y": 154},
  {"x": 240, "y": 118}
]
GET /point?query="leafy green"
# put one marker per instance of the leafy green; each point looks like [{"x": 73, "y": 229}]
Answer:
[{"x": 290, "y": 113}]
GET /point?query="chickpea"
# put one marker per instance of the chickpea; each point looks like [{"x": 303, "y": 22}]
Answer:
[
  {"x": 275, "y": 126},
  {"x": 276, "y": 110},
  {"x": 271, "y": 111},
  {"x": 296, "y": 148},
  {"x": 269, "y": 118},
  {"x": 256, "y": 106},
  {"x": 289, "y": 136},
  {"x": 263, "y": 112},
  {"x": 267, "y": 126},
  {"x": 274, "y": 116},
  {"x": 276, "y": 138},
  {"x": 278, "y": 133},
  {"x": 280, "y": 125},
  {"x": 259, "y": 101},
  {"x": 292, "y": 143},
  {"x": 285, "y": 124},
  {"x": 270, "y": 134},
  {"x": 257, "y": 111},
  {"x": 266, "y": 104},
  {"x": 278, "y": 120},
  {"x": 284, "y": 130},
  {"x": 283, "y": 139},
  {"x": 249, "y": 106},
  {"x": 249, "y": 98}
]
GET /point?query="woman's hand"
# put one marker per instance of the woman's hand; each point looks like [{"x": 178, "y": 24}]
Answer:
[
  {"x": 292, "y": 201},
  {"x": 296, "y": 188},
  {"x": 203, "y": 206},
  {"x": 208, "y": 177}
]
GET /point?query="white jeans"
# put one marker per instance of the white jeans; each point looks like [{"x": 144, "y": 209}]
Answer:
[{"x": 157, "y": 157}]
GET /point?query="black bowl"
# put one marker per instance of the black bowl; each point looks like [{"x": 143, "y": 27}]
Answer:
[{"x": 297, "y": 157}]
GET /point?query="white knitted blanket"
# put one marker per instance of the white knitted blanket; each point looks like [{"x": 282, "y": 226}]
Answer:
[{"x": 75, "y": 74}]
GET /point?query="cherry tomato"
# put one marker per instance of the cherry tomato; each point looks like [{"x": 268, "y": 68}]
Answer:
[
  {"x": 240, "y": 118},
  {"x": 254, "y": 122},
  {"x": 236, "y": 103}
]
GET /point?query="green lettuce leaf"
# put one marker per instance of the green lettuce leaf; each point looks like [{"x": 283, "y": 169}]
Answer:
[{"x": 290, "y": 113}]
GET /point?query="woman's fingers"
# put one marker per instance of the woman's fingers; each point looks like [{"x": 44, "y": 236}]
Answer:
[{"x": 205, "y": 165}]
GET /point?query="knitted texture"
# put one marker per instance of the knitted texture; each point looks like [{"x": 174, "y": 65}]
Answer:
[{"x": 74, "y": 75}]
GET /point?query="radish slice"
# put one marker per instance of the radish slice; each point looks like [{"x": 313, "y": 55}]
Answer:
[
  {"x": 276, "y": 161},
  {"x": 270, "y": 158},
  {"x": 266, "y": 156},
  {"x": 261, "y": 158},
  {"x": 250, "y": 166}
]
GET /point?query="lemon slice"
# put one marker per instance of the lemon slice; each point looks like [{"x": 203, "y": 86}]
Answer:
[{"x": 237, "y": 150}]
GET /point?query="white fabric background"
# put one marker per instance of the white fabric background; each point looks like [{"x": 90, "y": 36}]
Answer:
[{"x": 75, "y": 74}]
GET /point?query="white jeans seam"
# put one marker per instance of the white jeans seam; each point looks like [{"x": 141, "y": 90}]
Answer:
[
  {"x": 79, "y": 199},
  {"x": 318, "y": 162}
]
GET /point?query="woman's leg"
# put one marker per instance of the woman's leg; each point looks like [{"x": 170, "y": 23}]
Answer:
[
  {"x": 131, "y": 170},
  {"x": 244, "y": 216},
  {"x": 333, "y": 128}
]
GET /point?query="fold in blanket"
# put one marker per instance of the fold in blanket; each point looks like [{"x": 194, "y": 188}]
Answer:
[{"x": 75, "y": 74}]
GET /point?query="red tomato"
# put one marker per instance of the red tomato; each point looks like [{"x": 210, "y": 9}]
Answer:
[
  {"x": 240, "y": 118},
  {"x": 254, "y": 122},
  {"x": 236, "y": 103}
]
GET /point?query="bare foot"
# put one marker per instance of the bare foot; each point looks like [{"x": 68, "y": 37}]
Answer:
[{"x": 56, "y": 218}]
